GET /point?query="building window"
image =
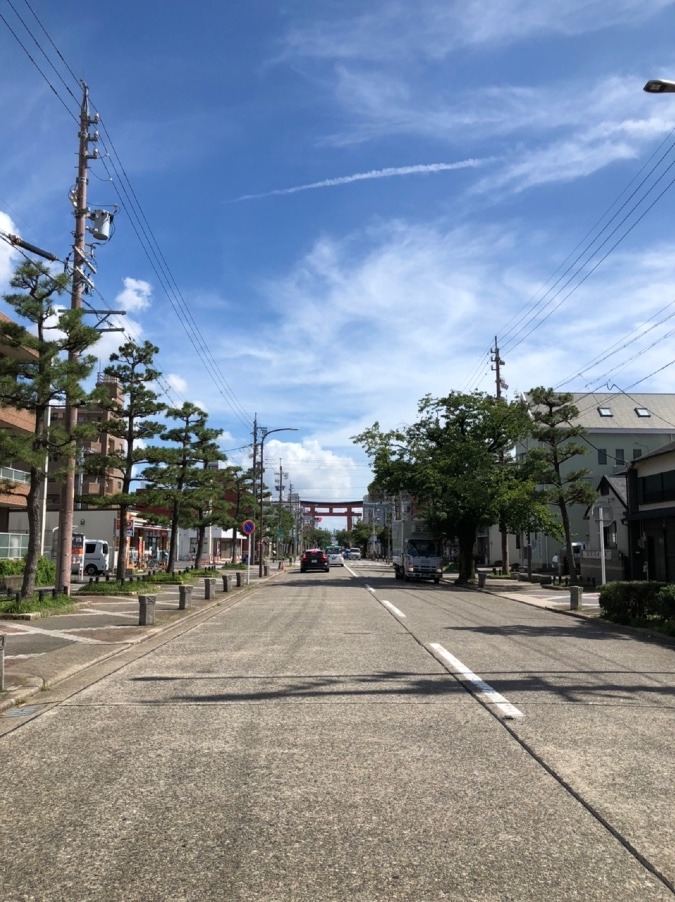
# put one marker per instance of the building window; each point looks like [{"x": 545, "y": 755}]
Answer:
[
  {"x": 602, "y": 455},
  {"x": 605, "y": 411},
  {"x": 657, "y": 488},
  {"x": 619, "y": 456},
  {"x": 637, "y": 452},
  {"x": 642, "y": 412}
]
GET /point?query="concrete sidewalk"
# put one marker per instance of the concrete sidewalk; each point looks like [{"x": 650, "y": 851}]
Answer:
[
  {"x": 548, "y": 597},
  {"x": 51, "y": 649}
]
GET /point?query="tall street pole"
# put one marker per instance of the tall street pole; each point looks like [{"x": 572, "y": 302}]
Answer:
[
  {"x": 261, "y": 524},
  {"x": 63, "y": 576}
]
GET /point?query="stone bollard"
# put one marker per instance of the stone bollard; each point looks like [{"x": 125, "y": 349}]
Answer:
[
  {"x": 209, "y": 588},
  {"x": 184, "y": 597},
  {"x": 266, "y": 570},
  {"x": 481, "y": 580},
  {"x": 576, "y": 594},
  {"x": 226, "y": 582},
  {"x": 239, "y": 578},
  {"x": 146, "y": 610}
]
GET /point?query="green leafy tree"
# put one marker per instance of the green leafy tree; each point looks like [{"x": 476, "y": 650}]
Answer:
[
  {"x": 36, "y": 372},
  {"x": 133, "y": 367},
  {"x": 552, "y": 414},
  {"x": 449, "y": 462}
]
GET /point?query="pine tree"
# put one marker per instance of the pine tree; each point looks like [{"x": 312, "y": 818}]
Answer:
[
  {"x": 177, "y": 477},
  {"x": 133, "y": 367},
  {"x": 35, "y": 374},
  {"x": 552, "y": 415}
]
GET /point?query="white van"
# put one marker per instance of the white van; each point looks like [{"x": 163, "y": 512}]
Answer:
[{"x": 96, "y": 557}]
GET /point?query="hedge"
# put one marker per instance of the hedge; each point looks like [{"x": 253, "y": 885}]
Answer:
[{"x": 638, "y": 603}]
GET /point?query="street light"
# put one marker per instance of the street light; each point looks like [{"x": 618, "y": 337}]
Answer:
[
  {"x": 265, "y": 433},
  {"x": 659, "y": 86}
]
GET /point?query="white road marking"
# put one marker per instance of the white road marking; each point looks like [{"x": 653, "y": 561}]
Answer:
[
  {"x": 17, "y": 657},
  {"x": 393, "y": 609},
  {"x": 508, "y": 710},
  {"x": 60, "y": 634}
]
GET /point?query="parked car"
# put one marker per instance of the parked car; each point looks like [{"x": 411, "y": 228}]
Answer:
[
  {"x": 314, "y": 559},
  {"x": 354, "y": 554}
]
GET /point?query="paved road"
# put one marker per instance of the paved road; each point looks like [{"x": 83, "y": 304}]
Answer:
[{"x": 346, "y": 736}]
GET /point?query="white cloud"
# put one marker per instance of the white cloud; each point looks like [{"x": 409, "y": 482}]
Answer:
[
  {"x": 397, "y": 31},
  {"x": 136, "y": 295},
  {"x": 8, "y": 255}
]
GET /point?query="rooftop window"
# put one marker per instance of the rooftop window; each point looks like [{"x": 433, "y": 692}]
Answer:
[
  {"x": 605, "y": 411},
  {"x": 642, "y": 412}
]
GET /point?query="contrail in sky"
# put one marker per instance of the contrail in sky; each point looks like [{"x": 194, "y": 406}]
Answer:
[{"x": 391, "y": 171}]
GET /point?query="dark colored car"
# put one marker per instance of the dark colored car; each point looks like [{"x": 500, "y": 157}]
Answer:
[{"x": 314, "y": 559}]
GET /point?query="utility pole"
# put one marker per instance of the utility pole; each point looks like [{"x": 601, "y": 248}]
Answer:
[
  {"x": 497, "y": 364},
  {"x": 254, "y": 480},
  {"x": 280, "y": 487},
  {"x": 63, "y": 577}
]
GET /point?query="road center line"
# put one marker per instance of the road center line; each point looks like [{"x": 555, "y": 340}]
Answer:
[
  {"x": 394, "y": 610},
  {"x": 492, "y": 696}
]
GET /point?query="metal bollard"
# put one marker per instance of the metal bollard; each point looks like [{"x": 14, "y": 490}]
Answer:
[
  {"x": 481, "y": 580},
  {"x": 209, "y": 589},
  {"x": 266, "y": 570},
  {"x": 239, "y": 578},
  {"x": 576, "y": 593},
  {"x": 226, "y": 582},
  {"x": 146, "y": 610},
  {"x": 184, "y": 597},
  {"x": 2, "y": 663}
]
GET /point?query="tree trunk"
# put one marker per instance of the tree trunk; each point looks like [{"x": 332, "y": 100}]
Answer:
[
  {"x": 34, "y": 511},
  {"x": 120, "y": 571},
  {"x": 173, "y": 542},
  {"x": 467, "y": 545},
  {"x": 201, "y": 534},
  {"x": 506, "y": 563}
]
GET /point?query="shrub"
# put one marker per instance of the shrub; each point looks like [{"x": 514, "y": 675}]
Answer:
[
  {"x": 630, "y": 602},
  {"x": 11, "y": 567},
  {"x": 665, "y": 604},
  {"x": 46, "y": 572}
]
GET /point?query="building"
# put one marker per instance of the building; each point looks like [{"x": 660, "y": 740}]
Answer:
[
  {"x": 619, "y": 429},
  {"x": 102, "y": 485},
  {"x": 651, "y": 515},
  {"x": 14, "y": 476},
  {"x": 608, "y": 513}
]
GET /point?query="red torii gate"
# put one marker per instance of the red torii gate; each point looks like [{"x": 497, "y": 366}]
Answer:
[{"x": 346, "y": 509}]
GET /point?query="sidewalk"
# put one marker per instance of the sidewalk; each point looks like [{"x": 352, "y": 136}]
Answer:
[
  {"x": 41, "y": 652},
  {"x": 548, "y": 597}
]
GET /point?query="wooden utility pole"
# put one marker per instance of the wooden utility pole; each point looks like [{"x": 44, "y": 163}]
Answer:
[{"x": 63, "y": 575}]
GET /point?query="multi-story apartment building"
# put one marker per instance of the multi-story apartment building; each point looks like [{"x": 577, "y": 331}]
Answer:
[
  {"x": 13, "y": 474},
  {"x": 619, "y": 428},
  {"x": 105, "y": 484}
]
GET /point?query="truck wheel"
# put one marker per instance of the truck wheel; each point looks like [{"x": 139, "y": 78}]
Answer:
[
  {"x": 91, "y": 570},
  {"x": 437, "y": 580}
]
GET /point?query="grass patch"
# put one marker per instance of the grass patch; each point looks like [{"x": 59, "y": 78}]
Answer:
[
  {"x": 62, "y": 604},
  {"x": 133, "y": 586}
]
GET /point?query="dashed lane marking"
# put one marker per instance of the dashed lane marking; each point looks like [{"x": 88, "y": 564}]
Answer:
[{"x": 490, "y": 695}]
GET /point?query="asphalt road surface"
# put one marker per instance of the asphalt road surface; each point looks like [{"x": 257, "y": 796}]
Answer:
[{"x": 346, "y": 736}]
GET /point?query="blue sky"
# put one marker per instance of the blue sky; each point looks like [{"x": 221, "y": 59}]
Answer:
[{"x": 345, "y": 202}]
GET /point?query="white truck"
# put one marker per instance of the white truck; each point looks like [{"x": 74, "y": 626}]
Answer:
[{"x": 416, "y": 553}]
